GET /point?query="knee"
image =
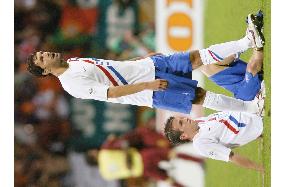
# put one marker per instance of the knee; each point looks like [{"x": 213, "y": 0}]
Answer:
[
  {"x": 195, "y": 59},
  {"x": 200, "y": 94},
  {"x": 253, "y": 68}
]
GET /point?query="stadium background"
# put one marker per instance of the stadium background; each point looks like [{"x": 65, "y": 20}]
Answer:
[{"x": 49, "y": 124}]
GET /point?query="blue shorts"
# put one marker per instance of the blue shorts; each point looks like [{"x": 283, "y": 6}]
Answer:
[
  {"x": 177, "y": 70},
  {"x": 237, "y": 80}
]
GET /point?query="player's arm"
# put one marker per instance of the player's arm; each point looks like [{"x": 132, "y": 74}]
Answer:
[
  {"x": 245, "y": 162},
  {"x": 149, "y": 55},
  {"x": 118, "y": 91}
]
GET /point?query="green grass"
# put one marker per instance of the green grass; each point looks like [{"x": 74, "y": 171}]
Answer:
[{"x": 224, "y": 21}]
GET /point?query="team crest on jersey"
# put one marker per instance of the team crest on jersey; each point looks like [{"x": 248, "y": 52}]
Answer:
[
  {"x": 211, "y": 153},
  {"x": 91, "y": 90}
]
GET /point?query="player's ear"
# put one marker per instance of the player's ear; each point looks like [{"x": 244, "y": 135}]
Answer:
[
  {"x": 46, "y": 71},
  {"x": 183, "y": 136}
]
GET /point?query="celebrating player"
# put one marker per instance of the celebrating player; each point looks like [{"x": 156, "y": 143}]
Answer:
[{"x": 159, "y": 81}]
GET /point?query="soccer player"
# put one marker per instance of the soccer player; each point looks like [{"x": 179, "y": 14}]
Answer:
[
  {"x": 216, "y": 135},
  {"x": 159, "y": 81}
]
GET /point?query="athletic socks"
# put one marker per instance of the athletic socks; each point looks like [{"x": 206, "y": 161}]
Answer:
[
  {"x": 221, "y": 102},
  {"x": 216, "y": 53}
]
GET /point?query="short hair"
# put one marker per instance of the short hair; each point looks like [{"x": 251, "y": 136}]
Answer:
[
  {"x": 32, "y": 68},
  {"x": 173, "y": 135}
]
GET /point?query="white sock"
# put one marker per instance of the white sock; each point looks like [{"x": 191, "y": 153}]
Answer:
[
  {"x": 217, "y": 52},
  {"x": 221, "y": 102}
]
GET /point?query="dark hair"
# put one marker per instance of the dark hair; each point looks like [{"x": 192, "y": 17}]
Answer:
[
  {"x": 173, "y": 135},
  {"x": 32, "y": 68}
]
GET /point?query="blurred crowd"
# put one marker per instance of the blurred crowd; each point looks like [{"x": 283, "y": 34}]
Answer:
[{"x": 109, "y": 29}]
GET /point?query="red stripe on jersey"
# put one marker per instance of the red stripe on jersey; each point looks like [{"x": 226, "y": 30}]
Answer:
[
  {"x": 225, "y": 122},
  {"x": 89, "y": 61},
  {"x": 229, "y": 126},
  {"x": 211, "y": 119},
  {"x": 109, "y": 76}
]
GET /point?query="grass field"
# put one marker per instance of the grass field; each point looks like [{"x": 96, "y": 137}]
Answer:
[{"x": 224, "y": 21}]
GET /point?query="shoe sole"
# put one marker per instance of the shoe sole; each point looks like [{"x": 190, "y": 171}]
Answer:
[{"x": 252, "y": 22}]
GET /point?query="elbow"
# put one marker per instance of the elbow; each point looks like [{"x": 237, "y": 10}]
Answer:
[{"x": 111, "y": 93}]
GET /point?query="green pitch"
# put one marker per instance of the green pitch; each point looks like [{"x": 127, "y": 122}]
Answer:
[{"x": 225, "y": 21}]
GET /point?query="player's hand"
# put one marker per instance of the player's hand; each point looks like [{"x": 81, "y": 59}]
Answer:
[{"x": 158, "y": 84}]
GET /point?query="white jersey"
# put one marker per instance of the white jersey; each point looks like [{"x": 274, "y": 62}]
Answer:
[
  {"x": 90, "y": 78},
  {"x": 220, "y": 132}
]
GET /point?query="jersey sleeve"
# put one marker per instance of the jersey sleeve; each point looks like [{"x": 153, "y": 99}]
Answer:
[
  {"x": 212, "y": 150},
  {"x": 88, "y": 89}
]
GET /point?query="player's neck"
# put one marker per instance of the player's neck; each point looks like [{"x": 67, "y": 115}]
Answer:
[
  {"x": 196, "y": 130},
  {"x": 60, "y": 70}
]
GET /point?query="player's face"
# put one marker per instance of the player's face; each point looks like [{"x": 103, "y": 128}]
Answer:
[
  {"x": 185, "y": 125},
  {"x": 47, "y": 60}
]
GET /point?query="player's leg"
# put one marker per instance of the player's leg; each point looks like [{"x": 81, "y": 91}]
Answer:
[
  {"x": 255, "y": 62},
  {"x": 180, "y": 95},
  {"x": 183, "y": 63},
  {"x": 212, "y": 69},
  {"x": 254, "y": 39},
  {"x": 243, "y": 80},
  {"x": 216, "y": 53},
  {"x": 221, "y": 102},
  {"x": 249, "y": 88},
  {"x": 196, "y": 61}
]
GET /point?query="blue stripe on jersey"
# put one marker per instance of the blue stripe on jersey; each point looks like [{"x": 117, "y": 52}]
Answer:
[
  {"x": 236, "y": 122},
  {"x": 118, "y": 75}
]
